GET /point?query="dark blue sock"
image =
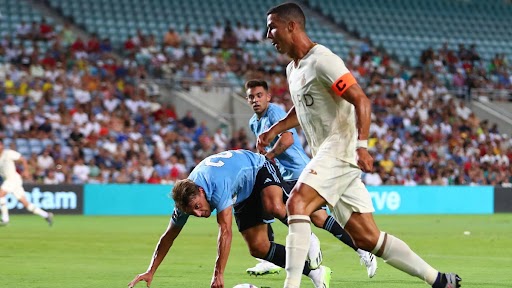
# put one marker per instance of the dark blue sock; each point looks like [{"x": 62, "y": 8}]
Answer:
[
  {"x": 277, "y": 255},
  {"x": 270, "y": 232},
  {"x": 440, "y": 281},
  {"x": 335, "y": 228}
]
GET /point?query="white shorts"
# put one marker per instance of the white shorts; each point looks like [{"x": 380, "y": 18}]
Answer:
[
  {"x": 339, "y": 183},
  {"x": 14, "y": 187}
]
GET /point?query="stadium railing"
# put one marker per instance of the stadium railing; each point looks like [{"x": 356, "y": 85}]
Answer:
[{"x": 491, "y": 94}]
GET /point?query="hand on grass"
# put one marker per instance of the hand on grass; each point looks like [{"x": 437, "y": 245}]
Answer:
[
  {"x": 147, "y": 276},
  {"x": 217, "y": 281}
]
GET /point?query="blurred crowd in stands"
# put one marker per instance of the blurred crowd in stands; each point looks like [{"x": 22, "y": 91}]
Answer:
[
  {"x": 464, "y": 70},
  {"x": 195, "y": 55},
  {"x": 81, "y": 113}
]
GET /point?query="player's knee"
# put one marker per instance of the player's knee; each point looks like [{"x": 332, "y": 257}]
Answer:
[
  {"x": 295, "y": 205},
  {"x": 2, "y": 193},
  {"x": 277, "y": 210},
  {"x": 259, "y": 249}
]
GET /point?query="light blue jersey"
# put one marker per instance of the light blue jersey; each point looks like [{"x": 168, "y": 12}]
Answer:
[
  {"x": 292, "y": 161},
  {"x": 227, "y": 179}
]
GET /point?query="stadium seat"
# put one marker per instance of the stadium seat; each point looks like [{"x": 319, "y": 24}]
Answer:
[
  {"x": 36, "y": 149},
  {"x": 436, "y": 19},
  {"x": 33, "y": 142},
  {"x": 24, "y": 150},
  {"x": 47, "y": 142},
  {"x": 21, "y": 142},
  {"x": 88, "y": 154},
  {"x": 7, "y": 142}
]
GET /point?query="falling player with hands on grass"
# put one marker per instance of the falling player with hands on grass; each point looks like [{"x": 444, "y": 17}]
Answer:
[{"x": 238, "y": 181}]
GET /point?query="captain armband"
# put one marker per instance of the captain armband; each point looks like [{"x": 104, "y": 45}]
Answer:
[{"x": 342, "y": 84}]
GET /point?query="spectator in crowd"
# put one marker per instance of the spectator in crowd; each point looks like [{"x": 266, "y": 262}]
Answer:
[
  {"x": 373, "y": 178},
  {"x": 80, "y": 172},
  {"x": 189, "y": 121},
  {"x": 51, "y": 178},
  {"x": 45, "y": 160}
]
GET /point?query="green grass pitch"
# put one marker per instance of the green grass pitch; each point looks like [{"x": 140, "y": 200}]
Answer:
[{"x": 108, "y": 252}]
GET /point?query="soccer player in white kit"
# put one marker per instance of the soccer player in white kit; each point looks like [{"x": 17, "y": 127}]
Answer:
[
  {"x": 334, "y": 114},
  {"x": 12, "y": 183}
]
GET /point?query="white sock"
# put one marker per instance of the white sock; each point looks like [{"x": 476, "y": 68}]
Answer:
[
  {"x": 399, "y": 255},
  {"x": 297, "y": 246},
  {"x": 38, "y": 211},
  {"x": 4, "y": 210}
]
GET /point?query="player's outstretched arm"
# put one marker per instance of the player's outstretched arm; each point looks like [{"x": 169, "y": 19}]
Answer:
[
  {"x": 25, "y": 168},
  {"x": 163, "y": 246},
  {"x": 284, "y": 142},
  {"x": 288, "y": 122},
  {"x": 224, "y": 219}
]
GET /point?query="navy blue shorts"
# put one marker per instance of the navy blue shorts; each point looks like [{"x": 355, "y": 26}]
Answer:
[{"x": 250, "y": 212}]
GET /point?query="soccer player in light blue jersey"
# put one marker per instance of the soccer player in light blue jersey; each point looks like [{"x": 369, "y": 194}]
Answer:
[
  {"x": 287, "y": 152},
  {"x": 238, "y": 180}
]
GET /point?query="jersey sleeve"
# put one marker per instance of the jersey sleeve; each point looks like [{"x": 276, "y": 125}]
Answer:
[
  {"x": 179, "y": 218},
  {"x": 252, "y": 126},
  {"x": 332, "y": 72},
  {"x": 275, "y": 114},
  {"x": 224, "y": 204},
  {"x": 14, "y": 155},
  {"x": 224, "y": 199}
]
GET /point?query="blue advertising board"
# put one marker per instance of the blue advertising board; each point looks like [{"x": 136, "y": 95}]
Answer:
[
  {"x": 147, "y": 199},
  {"x": 432, "y": 199},
  {"x": 127, "y": 199},
  {"x": 59, "y": 199}
]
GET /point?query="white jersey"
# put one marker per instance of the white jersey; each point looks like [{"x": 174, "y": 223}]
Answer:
[
  {"x": 328, "y": 121},
  {"x": 7, "y": 167}
]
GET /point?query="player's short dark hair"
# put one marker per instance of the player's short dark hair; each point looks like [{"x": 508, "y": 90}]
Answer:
[
  {"x": 256, "y": 83},
  {"x": 289, "y": 12},
  {"x": 183, "y": 192}
]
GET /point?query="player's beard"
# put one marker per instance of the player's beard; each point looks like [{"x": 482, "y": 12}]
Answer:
[{"x": 278, "y": 48}]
